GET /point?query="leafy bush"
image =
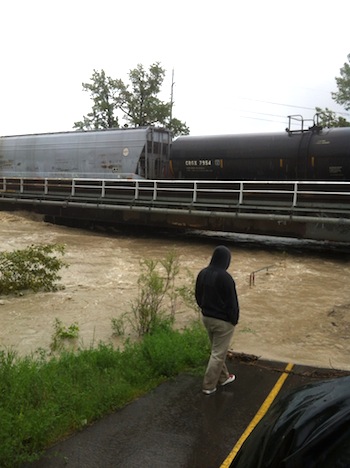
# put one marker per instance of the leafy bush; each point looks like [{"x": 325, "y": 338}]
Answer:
[
  {"x": 186, "y": 292},
  {"x": 156, "y": 282},
  {"x": 118, "y": 325},
  {"x": 157, "y": 292},
  {"x": 62, "y": 333},
  {"x": 35, "y": 268}
]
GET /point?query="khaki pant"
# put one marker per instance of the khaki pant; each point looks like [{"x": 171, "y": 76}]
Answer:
[{"x": 220, "y": 335}]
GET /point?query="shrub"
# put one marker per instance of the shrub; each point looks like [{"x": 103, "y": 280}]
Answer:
[
  {"x": 35, "y": 268},
  {"x": 156, "y": 282},
  {"x": 63, "y": 333},
  {"x": 186, "y": 292},
  {"x": 118, "y": 325}
]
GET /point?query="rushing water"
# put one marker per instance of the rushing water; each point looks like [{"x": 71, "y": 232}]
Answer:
[{"x": 296, "y": 309}]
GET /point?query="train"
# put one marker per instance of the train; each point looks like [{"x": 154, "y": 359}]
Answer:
[
  {"x": 315, "y": 153},
  {"x": 100, "y": 154}
]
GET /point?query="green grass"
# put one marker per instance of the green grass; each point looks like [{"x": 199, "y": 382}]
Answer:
[{"x": 43, "y": 400}]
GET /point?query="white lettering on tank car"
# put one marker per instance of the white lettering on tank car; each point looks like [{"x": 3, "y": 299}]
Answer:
[
  {"x": 335, "y": 169},
  {"x": 198, "y": 162}
]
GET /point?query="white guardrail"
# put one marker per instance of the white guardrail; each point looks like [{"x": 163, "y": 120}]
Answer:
[{"x": 224, "y": 194}]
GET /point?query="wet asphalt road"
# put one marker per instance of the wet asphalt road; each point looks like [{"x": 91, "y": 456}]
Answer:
[{"x": 176, "y": 425}]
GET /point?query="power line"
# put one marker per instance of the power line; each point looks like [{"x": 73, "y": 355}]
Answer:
[
  {"x": 262, "y": 113},
  {"x": 279, "y": 104},
  {"x": 264, "y": 120},
  {"x": 291, "y": 105}
]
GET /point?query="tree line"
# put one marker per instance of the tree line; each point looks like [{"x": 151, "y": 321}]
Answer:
[{"x": 137, "y": 103}]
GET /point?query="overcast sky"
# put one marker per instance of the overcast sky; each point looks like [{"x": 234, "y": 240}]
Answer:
[{"x": 238, "y": 66}]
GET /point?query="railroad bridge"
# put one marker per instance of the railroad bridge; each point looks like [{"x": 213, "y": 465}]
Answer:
[{"x": 300, "y": 209}]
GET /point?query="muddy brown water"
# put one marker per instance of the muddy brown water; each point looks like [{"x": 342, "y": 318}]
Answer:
[{"x": 297, "y": 311}]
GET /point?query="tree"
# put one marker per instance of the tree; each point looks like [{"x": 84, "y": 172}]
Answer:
[
  {"x": 342, "y": 97},
  {"x": 137, "y": 102},
  {"x": 177, "y": 127},
  {"x": 141, "y": 106},
  {"x": 328, "y": 118},
  {"x": 104, "y": 97}
]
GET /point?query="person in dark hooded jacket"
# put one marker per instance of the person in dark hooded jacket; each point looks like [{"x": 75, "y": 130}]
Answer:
[{"x": 217, "y": 298}]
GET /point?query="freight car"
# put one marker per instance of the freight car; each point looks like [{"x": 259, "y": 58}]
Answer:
[
  {"x": 103, "y": 154},
  {"x": 315, "y": 154},
  {"x": 312, "y": 154}
]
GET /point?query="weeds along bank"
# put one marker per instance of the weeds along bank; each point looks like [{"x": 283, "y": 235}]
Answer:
[
  {"x": 46, "y": 398},
  {"x": 36, "y": 269},
  {"x": 93, "y": 291},
  {"x": 54, "y": 392}
]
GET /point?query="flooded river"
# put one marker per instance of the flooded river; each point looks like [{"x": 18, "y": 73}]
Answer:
[{"x": 297, "y": 310}]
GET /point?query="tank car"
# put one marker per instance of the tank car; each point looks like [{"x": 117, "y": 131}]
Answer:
[
  {"x": 112, "y": 153},
  {"x": 313, "y": 154}
]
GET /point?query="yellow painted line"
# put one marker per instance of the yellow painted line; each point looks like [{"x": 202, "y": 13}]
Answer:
[{"x": 259, "y": 415}]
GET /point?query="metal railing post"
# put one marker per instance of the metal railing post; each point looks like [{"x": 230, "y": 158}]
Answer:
[
  {"x": 240, "y": 200},
  {"x": 295, "y": 194},
  {"x": 194, "y": 198}
]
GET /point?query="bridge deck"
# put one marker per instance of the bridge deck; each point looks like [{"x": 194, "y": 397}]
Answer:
[{"x": 217, "y": 205}]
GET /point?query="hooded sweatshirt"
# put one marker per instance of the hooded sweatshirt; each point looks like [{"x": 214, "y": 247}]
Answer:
[{"x": 216, "y": 290}]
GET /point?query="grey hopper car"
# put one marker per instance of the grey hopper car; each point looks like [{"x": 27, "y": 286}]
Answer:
[{"x": 112, "y": 153}]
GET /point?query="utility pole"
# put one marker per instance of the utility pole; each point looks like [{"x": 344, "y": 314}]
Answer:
[{"x": 172, "y": 95}]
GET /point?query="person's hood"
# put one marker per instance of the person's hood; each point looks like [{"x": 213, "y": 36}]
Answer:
[{"x": 221, "y": 257}]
